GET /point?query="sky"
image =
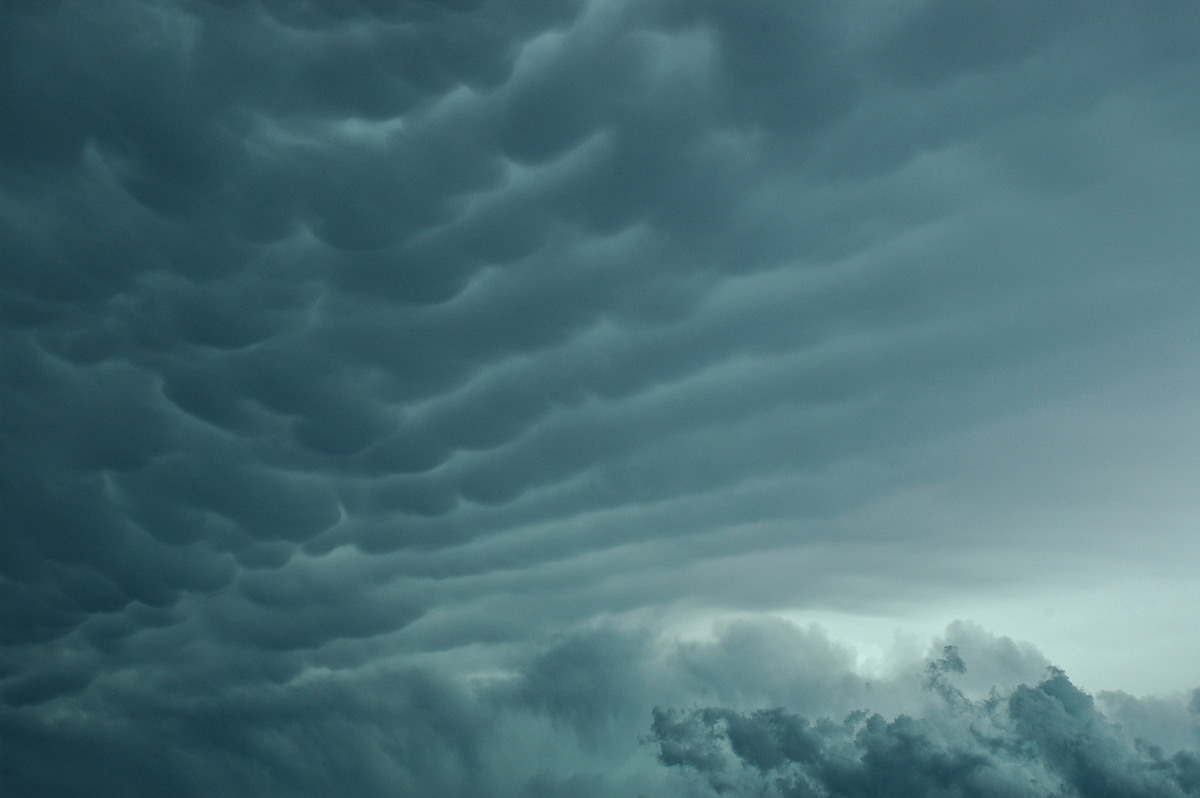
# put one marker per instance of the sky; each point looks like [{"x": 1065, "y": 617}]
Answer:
[{"x": 535, "y": 398}]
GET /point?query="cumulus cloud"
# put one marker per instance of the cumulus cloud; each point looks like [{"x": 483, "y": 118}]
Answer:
[{"x": 1044, "y": 739}]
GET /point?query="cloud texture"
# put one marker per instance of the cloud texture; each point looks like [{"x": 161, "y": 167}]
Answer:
[
  {"x": 1038, "y": 740},
  {"x": 360, "y": 358}
]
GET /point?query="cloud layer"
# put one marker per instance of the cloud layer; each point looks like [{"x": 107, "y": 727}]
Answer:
[
  {"x": 354, "y": 350},
  {"x": 979, "y": 715}
]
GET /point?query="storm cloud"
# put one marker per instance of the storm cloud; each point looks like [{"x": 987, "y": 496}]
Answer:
[
  {"x": 395, "y": 393},
  {"x": 1040, "y": 740}
]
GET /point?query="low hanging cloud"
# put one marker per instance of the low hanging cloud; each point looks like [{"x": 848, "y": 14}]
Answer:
[
  {"x": 616, "y": 711},
  {"x": 1040, "y": 740}
]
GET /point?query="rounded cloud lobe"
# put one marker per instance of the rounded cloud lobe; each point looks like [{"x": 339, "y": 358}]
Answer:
[{"x": 346, "y": 341}]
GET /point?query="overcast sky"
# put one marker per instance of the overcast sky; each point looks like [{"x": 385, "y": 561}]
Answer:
[{"x": 599, "y": 398}]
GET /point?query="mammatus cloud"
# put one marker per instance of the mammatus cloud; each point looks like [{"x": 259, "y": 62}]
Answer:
[{"x": 360, "y": 358}]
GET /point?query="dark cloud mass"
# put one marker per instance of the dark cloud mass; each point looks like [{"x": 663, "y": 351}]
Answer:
[
  {"x": 401, "y": 397},
  {"x": 1040, "y": 740}
]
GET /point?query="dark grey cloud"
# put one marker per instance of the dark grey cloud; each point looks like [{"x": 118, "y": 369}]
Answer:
[
  {"x": 356, "y": 346},
  {"x": 1045, "y": 739},
  {"x": 590, "y": 712}
]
